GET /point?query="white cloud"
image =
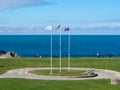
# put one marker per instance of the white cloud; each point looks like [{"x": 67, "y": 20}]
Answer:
[
  {"x": 13, "y": 4},
  {"x": 99, "y": 24},
  {"x": 89, "y": 29}
]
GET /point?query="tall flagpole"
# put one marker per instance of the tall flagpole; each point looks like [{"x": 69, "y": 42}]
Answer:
[
  {"x": 60, "y": 52},
  {"x": 51, "y": 52},
  {"x": 50, "y": 28},
  {"x": 69, "y": 50}
]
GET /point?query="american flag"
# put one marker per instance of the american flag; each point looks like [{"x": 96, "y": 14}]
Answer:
[
  {"x": 67, "y": 29},
  {"x": 58, "y": 27}
]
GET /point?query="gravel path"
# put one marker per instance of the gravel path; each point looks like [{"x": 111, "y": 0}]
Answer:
[{"x": 23, "y": 73}]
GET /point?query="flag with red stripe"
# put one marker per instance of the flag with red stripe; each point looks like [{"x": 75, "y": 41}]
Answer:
[
  {"x": 58, "y": 27},
  {"x": 67, "y": 29}
]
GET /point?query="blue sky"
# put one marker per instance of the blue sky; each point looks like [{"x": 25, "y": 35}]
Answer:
[{"x": 82, "y": 16}]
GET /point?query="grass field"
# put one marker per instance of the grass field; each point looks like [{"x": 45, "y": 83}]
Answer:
[
  {"x": 98, "y": 63},
  {"x": 25, "y": 84},
  {"x": 58, "y": 73}
]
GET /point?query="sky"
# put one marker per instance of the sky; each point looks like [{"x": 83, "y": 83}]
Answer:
[{"x": 84, "y": 17}]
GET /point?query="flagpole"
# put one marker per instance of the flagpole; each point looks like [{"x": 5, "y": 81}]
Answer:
[
  {"x": 51, "y": 52},
  {"x": 69, "y": 50},
  {"x": 60, "y": 52}
]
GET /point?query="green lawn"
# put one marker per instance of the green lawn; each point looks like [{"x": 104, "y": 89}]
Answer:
[
  {"x": 58, "y": 73},
  {"x": 25, "y": 84},
  {"x": 100, "y": 63}
]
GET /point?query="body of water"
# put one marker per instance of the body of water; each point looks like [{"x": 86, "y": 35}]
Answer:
[{"x": 81, "y": 45}]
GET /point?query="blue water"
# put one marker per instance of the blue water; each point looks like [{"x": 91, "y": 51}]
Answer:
[{"x": 81, "y": 45}]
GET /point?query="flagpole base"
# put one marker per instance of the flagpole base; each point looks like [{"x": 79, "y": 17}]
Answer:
[
  {"x": 68, "y": 69},
  {"x": 51, "y": 73}
]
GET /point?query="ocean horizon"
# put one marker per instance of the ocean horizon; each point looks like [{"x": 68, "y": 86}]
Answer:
[{"x": 81, "y": 45}]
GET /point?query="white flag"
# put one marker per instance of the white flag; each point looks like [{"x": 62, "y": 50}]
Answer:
[{"x": 49, "y": 28}]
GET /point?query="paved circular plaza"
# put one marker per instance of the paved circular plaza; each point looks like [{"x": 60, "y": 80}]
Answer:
[{"x": 23, "y": 73}]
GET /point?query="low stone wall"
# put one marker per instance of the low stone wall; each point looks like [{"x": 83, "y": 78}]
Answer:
[
  {"x": 115, "y": 81},
  {"x": 9, "y": 55}
]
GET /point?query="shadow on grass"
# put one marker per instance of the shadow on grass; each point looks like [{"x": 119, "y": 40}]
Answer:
[{"x": 1, "y": 66}]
